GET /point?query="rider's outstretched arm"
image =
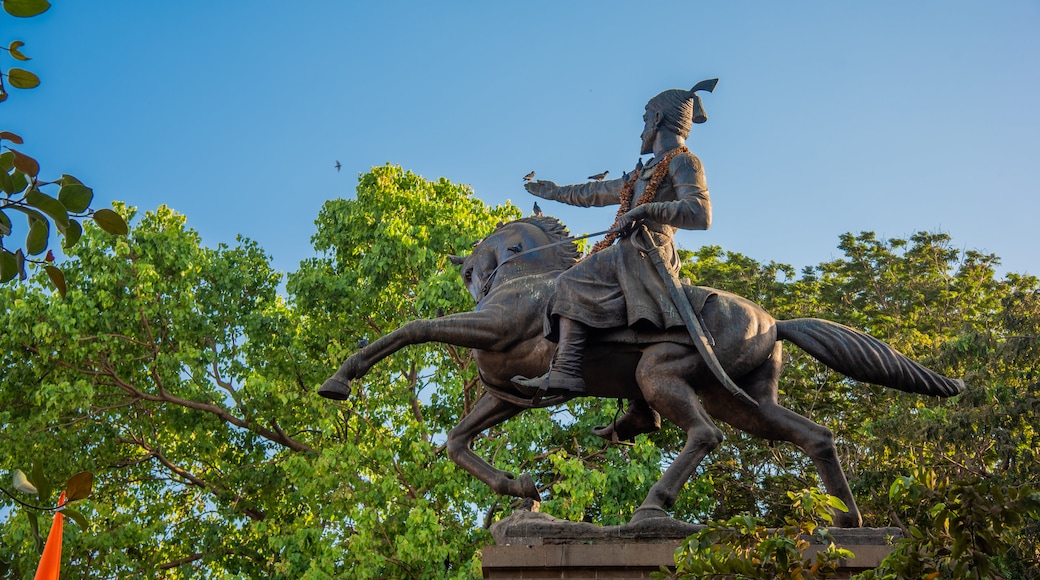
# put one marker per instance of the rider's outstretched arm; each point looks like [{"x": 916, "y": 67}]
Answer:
[{"x": 594, "y": 193}]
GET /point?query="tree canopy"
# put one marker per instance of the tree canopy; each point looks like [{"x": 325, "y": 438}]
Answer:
[{"x": 184, "y": 377}]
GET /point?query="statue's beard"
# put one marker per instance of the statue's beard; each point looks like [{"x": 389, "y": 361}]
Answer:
[{"x": 648, "y": 143}]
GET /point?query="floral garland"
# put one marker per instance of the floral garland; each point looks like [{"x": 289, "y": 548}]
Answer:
[{"x": 628, "y": 190}]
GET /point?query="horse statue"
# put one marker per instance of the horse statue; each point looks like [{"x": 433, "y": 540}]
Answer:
[{"x": 511, "y": 273}]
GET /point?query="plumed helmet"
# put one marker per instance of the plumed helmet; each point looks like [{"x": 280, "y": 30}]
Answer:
[{"x": 682, "y": 108}]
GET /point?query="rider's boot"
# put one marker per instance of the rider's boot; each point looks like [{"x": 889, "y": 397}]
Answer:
[
  {"x": 638, "y": 419},
  {"x": 565, "y": 373}
]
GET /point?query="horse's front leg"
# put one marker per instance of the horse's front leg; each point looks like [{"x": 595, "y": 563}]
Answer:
[
  {"x": 466, "y": 329},
  {"x": 488, "y": 412}
]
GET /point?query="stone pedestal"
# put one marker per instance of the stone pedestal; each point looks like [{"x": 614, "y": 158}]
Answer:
[{"x": 535, "y": 545}]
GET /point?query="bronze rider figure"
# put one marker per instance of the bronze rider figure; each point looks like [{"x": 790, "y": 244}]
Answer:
[{"x": 616, "y": 285}]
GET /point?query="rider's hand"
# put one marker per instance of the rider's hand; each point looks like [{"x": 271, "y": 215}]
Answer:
[
  {"x": 543, "y": 189},
  {"x": 628, "y": 222}
]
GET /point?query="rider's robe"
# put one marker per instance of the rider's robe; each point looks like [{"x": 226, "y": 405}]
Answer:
[{"x": 619, "y": 286}]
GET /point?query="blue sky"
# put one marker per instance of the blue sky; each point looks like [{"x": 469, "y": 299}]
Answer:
[{"x": 829, "y": 117}]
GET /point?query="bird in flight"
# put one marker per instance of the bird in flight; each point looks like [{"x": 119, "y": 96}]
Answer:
[
  {"x": 599, "y": 176},
  {"x": 537, "y": 211},
  {"x": 529, "y": 176},
  {"x": 338, "y": 165}
]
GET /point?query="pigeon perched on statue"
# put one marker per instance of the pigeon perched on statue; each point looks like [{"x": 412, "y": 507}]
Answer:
[
  {"x": 529, "y": 176},
  {"x": 599, "y": 176},
  {"x": 536, "y": 211}
]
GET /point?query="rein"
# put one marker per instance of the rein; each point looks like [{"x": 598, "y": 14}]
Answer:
[{"x": 491, "y": 278}]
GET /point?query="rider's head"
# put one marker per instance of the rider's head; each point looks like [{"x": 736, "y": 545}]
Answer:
[{"x": 678, "y": 109}]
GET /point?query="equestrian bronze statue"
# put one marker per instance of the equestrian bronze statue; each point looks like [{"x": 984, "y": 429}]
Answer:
[{"x": 628, "y": 328}]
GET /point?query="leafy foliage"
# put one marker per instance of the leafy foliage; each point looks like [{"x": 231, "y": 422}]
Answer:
[
  {"x": 744, "y": 548},
  {"x": 183, "y": 379},
  {"x": 959, "y": 529}
]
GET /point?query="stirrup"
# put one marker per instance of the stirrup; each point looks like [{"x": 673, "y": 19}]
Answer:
[{"x": 532, "y": 383}]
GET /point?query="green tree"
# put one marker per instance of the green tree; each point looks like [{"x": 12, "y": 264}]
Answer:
[{"x": 182, "y": 378}]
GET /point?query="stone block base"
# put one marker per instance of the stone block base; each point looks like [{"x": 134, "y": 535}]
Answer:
[{"x": 534, "y": 545}]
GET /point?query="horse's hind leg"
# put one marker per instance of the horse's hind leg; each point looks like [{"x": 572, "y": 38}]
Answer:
[
  {"x": 488, "y": 412},
  {"x": 662, "y": 375},
  {"x": 771, "y": 421}
]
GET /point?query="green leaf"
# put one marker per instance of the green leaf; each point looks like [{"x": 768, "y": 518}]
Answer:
[
  {"x": 72, "y": 234},
  {"x": 6, "y": 160},
  {"x": 25, "y": 164},
  {"x": 7, "y": 184},
  {"x": 19, "y": 262},
  {"x": 21, "y": 482},
  {"x": 49, "y": 206},
  {"x": 80, "y": 485},
  {"x": 80, "y": 519},
  {"x": 20, "y": 78},
  {"x": 837, "y": 504},
  {"x": 26, "y": 8},
  {"x": 36, "y": 241},
  {"x": 111, "y": 222},
  {"x": 34, "y": 527},
  {"x": 13, "y": 49},
  {"x": 75, "y": 196},
  {"x": 13, "y": 138},
  {"x": 57, "y": 278},
  {"x": 5, "y": 224},
  {"x": 20, "y": 181},
  {"x": 40, "y": 481},
  {"x": 8, "y": 266}
]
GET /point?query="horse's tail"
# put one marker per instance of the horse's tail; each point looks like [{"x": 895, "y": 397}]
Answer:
[{"x": 864, "y": 358}]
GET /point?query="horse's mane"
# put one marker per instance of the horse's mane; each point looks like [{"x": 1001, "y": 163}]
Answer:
[{"x": 568, "y": 254}]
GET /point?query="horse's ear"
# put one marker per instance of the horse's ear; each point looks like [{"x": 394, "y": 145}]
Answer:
[{"x": 456, "y": 260}]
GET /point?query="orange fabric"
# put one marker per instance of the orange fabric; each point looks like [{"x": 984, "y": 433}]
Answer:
[{"x": 50, "y": 562}]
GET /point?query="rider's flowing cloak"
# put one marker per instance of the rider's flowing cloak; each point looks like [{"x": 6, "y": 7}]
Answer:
[{"x": 619, "y": 286}]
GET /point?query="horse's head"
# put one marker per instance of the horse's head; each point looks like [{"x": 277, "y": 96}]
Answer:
[{"x": 507, "y": 253}]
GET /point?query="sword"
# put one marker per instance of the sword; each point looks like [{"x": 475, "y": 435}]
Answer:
[{"x": 682, "y": 304}]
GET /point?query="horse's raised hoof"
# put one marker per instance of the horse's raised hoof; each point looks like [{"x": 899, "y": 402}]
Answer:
[
  {"x": 647, "y": 513},
  {"x": 847, "y": 520},
  {"x": 335, "y": 388},
  {"x": 527, "y": 487},
  {"x": 635, "y": 421}
]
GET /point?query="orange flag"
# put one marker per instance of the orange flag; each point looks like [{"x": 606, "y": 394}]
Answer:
[{"x": 50, "y": 563}]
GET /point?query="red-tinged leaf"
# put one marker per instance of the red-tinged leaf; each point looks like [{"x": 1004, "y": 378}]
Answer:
[
  {"x": 57, "y": 278},
  {"x": 111, "y": 222},
  {"x": 50, "y": 256},
  {"x": 26, "y": 164},
  {"x": 13, "y": 138},
  {"x": 79, "y": 486},
  {"x": 13, "y": 49},
  {"x": 26, "y": 8},
  {"x": 20, "y": 78}
]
